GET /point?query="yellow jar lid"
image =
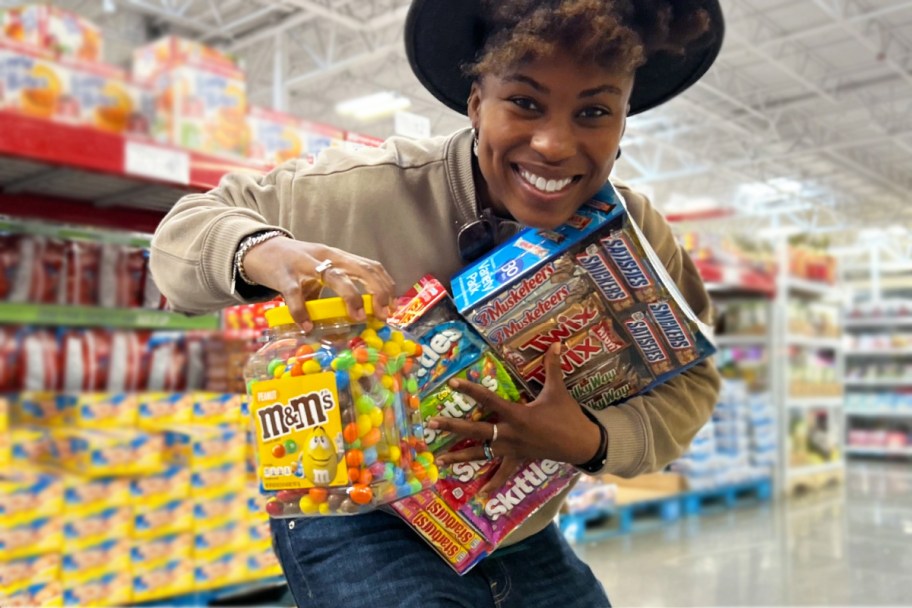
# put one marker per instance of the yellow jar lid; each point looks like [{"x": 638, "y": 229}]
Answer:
[{"x": 319, "y": 310}]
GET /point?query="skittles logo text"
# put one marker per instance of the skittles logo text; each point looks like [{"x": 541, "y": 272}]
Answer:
[
  {"x": 670, "y": 326},
  {"x": 489, "y": 313},
  {"x": 603, "y": 276},
  {"x": 303, "y": 412},
  {"x": 524, "y": 483},
  {"x": 646, "y": 340},
  {"x": 456, "y": 405},
  {"x": 626, "y": 262}
]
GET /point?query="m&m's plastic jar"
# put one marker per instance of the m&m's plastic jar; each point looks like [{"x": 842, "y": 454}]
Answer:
[{"x": 336, "y": 414}]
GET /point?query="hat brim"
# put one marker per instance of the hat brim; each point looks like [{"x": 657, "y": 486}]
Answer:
[{"x": 441, "y": 36}]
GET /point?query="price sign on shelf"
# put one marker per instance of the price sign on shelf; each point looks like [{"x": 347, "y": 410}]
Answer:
[{"x": 155, "y": 162}]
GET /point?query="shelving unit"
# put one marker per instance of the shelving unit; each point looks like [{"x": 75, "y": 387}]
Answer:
[
  {"x": 878, "y": 401},
  {"x": 811, "y": 412},
  {"x": 85, "y": 316}
]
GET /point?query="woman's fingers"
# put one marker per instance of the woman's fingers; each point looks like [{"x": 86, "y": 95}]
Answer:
[
  {"x": 482, "y": 431},
  {"x": 346, "y": 270},
  {"x": 487, "y": 399},
  {"x": 507, "y": 468}
]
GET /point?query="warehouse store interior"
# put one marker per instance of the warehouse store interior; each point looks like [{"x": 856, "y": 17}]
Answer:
[{"x": 785, "y": 173}]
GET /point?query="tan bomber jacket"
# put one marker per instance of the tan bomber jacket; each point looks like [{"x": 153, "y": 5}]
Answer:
[{"x": 402, "y": 205}]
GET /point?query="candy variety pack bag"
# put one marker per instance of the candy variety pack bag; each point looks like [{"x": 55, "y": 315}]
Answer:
[{"x": 460, "y": 527}]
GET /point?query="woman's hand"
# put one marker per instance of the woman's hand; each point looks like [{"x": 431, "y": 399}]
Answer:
[
  {"x": 290, "y": 268},
  {"x": 552, "y": 426}
]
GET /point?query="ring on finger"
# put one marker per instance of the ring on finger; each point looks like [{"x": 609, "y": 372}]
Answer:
[
  {"x": 494, "y": 436},
  {"x": 488, "y": 450},
  {"x": 321, "y": 269}
]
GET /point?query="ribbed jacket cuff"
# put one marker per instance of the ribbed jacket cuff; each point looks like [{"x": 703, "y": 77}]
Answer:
[
  {"x": 218, "y": 251},
  {"x": 626, "y": 440}
]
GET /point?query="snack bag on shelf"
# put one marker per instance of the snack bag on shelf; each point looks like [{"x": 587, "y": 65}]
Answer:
[
  {"x": 123, "y": 276},
  {"x": 40, "y": 365},
  {"x": 83, "y": 266},
  {"x": 167, "y": 361},
  {"x": 128, "y": 370},
  {"x": 86, "y": 359}
]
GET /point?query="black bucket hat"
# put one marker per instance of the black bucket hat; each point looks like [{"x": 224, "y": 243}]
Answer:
[{"x": 443, "y": 35}]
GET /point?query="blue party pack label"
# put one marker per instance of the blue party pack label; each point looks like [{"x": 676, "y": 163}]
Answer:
[{"x": 514, "y": 264}]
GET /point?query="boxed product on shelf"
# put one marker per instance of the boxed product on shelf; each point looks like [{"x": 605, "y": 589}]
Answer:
[
  {"x": 31, "y": 536},
  {"x": 810, "y": 261},
  {"x": 210, "y": 407},
  {"x": 90, "y": 560},
  {"x": 35, "y": 85},
  {"x": 262, "y": 562},
  {"x": 217, "y": 511},
  {"x": 216, "y": 480},
  {"x": 83, "y": 530},
  {"x": 813, "y": 438},
  {"x": 108, "y": 589},
  {"x": 52, "y": 30},
  {"x": 199, "y": 446},
  {"x": 27, "y": 494},
  {"x": 147, "y": 553},
  {"x": 88, "y": 495},
  {"x": 164, "y": 407},
  {"x": 219, "y": 571},
  {"x": 101, "y": 453},
  {"x": 276, "y": 137},
  {"x": 228, "y": 537},
  {"x": 26, "y": 571},
  {"x": 813, "y": 319},
  {"x": 162, "y": 580},
  {"x": 200, "y": 100},
  {"x": 169, "y": 484},
  {"x": 162, "y": 519},
  {"x": 48, "y": 593},
  {"x": 105, "y": 100}
]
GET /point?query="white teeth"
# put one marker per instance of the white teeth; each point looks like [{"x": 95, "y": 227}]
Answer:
[{"x": 545, "y": 185}]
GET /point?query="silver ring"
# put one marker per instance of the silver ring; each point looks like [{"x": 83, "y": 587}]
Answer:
[
  {"x": 488, "y": 450},
  {"x": 323, "y": 267},
  {"x": 494, "y": 436}
]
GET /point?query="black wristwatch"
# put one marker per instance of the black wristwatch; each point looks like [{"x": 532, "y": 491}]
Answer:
[{"x": 597, "y": 462}]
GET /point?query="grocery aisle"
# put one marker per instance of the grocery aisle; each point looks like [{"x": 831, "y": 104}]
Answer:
[{"x": 843, "y": 546}]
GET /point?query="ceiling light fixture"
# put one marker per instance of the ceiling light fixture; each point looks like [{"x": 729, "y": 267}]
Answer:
[{"x": 371, "y": 107}]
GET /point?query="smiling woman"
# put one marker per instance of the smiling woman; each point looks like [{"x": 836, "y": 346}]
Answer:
[{"x": 547, "y": 86}]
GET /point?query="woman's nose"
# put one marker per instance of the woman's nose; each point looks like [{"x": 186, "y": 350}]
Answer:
[{"x": 555, "y": 142}]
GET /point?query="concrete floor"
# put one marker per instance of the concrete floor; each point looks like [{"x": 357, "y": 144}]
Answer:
[{"x": 846, "y": 546}]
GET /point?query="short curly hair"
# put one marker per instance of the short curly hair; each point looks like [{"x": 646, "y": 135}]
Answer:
[{"x": 616, "y": 34}]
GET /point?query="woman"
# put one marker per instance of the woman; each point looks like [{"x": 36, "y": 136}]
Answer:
[{"x": 547, "y": 86}]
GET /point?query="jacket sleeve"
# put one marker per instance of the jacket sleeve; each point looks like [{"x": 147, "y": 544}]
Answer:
[
  {"x": 647, "y": 432},
  {"x": 192, "y": 257}
]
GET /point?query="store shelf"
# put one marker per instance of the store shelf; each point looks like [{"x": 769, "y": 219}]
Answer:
[
  {"x": 812, "y": 342},
  {"x": 84, "y": 316},
  {"x": 880, "y": 383},
  {"x": 882, "y": 413},
  {"x": 815, "y": 468},
  {"x": 234, "y": 595},
  {"x": 49, "y": 158},
  {"x": 812, "y": 288},
  {"x": 885, "y": 322},
  {"x": 746, "y": 340},
  {"x": 810, "y": 403},
  {"x": 890, "y": 352},
  {"x": 877, "y": 451}
]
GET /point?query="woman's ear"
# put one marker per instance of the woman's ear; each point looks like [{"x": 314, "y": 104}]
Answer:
[{"x": 474, "y": 103}]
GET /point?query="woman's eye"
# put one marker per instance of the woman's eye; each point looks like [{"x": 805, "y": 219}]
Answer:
[
  {"x": 594, "y": 113},
  {"x": 524, "y": 102}
]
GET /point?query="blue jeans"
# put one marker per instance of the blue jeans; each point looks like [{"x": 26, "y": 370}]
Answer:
[{"x": 375, "y": 560}]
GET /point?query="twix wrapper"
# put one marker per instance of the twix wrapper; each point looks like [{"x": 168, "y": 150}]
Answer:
[{"x": 580, "y": 352}]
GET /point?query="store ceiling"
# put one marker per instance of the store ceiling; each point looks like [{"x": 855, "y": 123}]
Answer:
[{"x": 806, "y": 118}]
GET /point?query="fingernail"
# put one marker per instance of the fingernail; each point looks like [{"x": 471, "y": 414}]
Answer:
[
  {"x": 556, "y": 348},
  {"x": 440, "y": 462},
  {"x": 453, "y": 383},
  {"x": 383, "y": 312},
  {"x": 433, "y": 424},
  {"x": 307, "y": 326},
  {"x": 482, "y": 494},
  {"x": 360, "y": 315}
]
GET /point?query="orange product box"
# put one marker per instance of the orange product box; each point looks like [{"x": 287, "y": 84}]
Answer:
[
  {"x": 171, "y": 51},
  {"x": 54, "y": 30},
  {"x": 34, "y": 85},
  {"x": 276, "y": 137},
  {"x": 24, "y": 25},
  {"x": 105, "y": 100}
]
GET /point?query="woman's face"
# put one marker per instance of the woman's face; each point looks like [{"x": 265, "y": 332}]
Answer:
[{"x": 548, "y": 135}]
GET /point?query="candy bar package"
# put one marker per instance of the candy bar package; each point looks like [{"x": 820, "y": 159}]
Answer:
[{"x": 596, "y": 286}]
